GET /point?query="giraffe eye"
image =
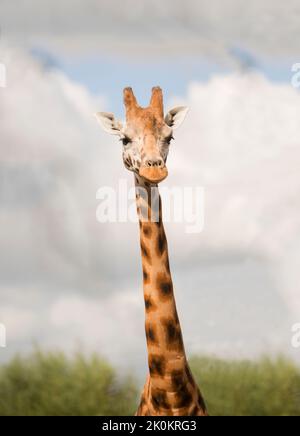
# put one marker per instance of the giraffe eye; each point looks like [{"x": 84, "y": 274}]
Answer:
[
  {"x": 169, "y": 139},
  {"x": 126, "y": 140}
]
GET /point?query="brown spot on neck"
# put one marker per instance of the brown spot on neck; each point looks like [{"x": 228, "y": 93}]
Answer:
[
  {"x": 151, "y": 334},
  {"x": 173, "y": 336},
  {"x": 159, "y": 399},
  {"x": 161, "y": 243},
  {"x": 146, "y": 253},
  {"x": 146, "y": 277},
  {"x": 164, "y": 286},
  {"x": 157, "y": 365},
  {"x": 147, "y": 230},
  {"x": 183, "y": 396},
  {"x": 150, "y": 306}
]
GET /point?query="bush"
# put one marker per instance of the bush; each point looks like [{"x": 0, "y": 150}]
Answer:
[
  {"x": 244, "y": 388},
  {"x": 52, "y": 384}
]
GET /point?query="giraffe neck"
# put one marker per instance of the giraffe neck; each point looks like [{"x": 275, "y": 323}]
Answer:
[
  {"x": 163, "y": 332},
  {"x": 170, "y": 388}
]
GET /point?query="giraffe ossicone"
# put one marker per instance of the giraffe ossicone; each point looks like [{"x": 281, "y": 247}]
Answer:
[{"x": 170, "y": 388}]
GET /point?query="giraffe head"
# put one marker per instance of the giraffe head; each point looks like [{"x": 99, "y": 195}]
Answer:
[{"x": 146, "y": 135}]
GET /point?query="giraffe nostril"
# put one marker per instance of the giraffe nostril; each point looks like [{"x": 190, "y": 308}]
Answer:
[{"x": 154, "y": 163}]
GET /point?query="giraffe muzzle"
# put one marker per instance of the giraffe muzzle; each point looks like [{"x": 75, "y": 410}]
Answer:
[{"x": 154, "y": 174}]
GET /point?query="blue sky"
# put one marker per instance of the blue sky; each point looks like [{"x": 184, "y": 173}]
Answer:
[{"x": 107, "y": 75}]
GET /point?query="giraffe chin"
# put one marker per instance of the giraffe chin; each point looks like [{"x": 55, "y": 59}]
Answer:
[{"x": 154, "y": 175}]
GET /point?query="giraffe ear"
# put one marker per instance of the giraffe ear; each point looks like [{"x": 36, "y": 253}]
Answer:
[
  {"x": 176, "y": 116},
  {"x": 109, "y": 124}
]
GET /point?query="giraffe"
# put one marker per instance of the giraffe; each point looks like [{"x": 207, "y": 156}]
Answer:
[{"x": 170, "y": 389}]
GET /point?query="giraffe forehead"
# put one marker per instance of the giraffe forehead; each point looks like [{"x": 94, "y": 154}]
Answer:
[{"x": 146, "y": 122}]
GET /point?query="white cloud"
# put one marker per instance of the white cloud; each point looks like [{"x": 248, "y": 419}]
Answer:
[
  {"x": 70, "y": 278},
  {"x": 210, "y": 27},
  {"x": 19, "y": 322},
  {"x": 243, "y": 146},
  {"x": 102, "y": 323}
]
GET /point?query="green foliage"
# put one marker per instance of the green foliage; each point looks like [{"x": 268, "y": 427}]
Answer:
[
  {"x": 53, "y": 384},
  {"x": 245, "y": 388}
]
